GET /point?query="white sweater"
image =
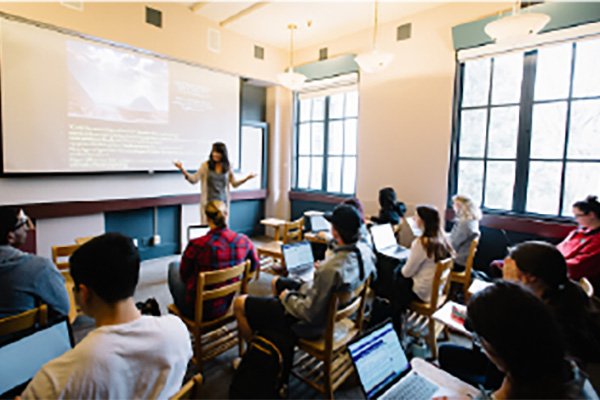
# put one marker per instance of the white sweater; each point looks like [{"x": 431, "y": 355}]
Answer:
[{"x": 421, "y": 269}]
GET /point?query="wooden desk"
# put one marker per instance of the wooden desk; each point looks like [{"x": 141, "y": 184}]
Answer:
[
  {"x": 315, "y": 238},
  {"x": 442, "y": 378},
  {"x": 275, "y": 223}
]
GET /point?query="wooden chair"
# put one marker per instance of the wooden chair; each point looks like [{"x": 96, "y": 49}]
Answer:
[
  {"x": 419, "y": 317},
  {"x": 586, "y": 286},
  {"x": 82, "y": 240},
  {"x": 464, "y": 277},
  {"x": 60, "y": 253},
  {"x": 191, "y": 389},
  {"x": 211, "y": 338},
  {"x": 271, "y": 252},
  {"x": 326, "y": 364},
  {"x": 23, "y": 321},
  {"x": 60, "y": 257}
]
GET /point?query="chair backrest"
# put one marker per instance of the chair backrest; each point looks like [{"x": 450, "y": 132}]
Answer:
[
  {"x": 440, "y": 284},
  {"x": 83, "y": 240},
  {"x": 205, "y": 279},
  {"x": 59, "y": 253},
  {"x": 23, "y": 321},
  {"x": 586, "y": 286},
  {"x": 470, "y": 258},
  {"x": 343, "y": 305},
  {"x": 191, "y": 389},
  {"x": 292, "y": 231}
]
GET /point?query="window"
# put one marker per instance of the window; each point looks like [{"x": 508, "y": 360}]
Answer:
[
  {"x": 326, "y": 141},
  {"x": 527, "y": 132}
]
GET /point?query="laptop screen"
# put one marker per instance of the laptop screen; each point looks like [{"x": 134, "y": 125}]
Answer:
[
  {"x": 379, "y": 359},
  {"x": 318, "y": 223},
  {"x": 297, "y": 255},
  {"x": 383, "y": 236},
  {"x": 196, "y": 231},
  {"x": 21, "y": 359}
]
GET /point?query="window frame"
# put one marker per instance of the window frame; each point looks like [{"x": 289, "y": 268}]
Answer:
[
  {"x": 523, "y": 158},
  {"x": 325, "y": 155}
]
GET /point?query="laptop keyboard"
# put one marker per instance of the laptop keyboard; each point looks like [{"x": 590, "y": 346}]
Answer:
[{"x": 413, "y": 387}]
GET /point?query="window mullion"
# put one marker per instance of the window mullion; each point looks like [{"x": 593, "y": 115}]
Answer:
[
  {"x": 567, "y": 131},
  {"x": 325, "y": 146},
  {"x": 524, "y": 134},
  {"x": 487, "y": 133}
]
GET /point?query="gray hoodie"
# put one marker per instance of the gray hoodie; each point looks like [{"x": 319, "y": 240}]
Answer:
[
  {"x": 339, "y": 272},
  {"x": 26, "y": 281}
]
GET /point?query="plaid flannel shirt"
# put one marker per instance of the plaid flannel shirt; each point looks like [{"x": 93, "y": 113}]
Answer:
[{"x": 219, "y": 249}]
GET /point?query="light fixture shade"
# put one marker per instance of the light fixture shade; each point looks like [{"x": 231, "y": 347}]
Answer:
[
  {"x": 374, "y": 61},
  {"x": 515, "y": 27},
  {"x": 291, "y": 80}
]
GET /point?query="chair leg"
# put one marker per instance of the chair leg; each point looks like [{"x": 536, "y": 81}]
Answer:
[
  {"x": 327, "y": 384},
  {"x": 432, "y": 338}
]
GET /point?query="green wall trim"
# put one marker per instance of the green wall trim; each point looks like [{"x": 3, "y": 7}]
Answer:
[
  {"x": 329, "y": 68},
  {"x": 563, "y": 15}
]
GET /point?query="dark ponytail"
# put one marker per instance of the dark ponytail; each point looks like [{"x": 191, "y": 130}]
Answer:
[{"x": 590, "y": 204}]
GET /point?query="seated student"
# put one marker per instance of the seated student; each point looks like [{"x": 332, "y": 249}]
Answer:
[
  {"x": 522, "y": 339},
  {"x": 219, "y": 249},
  {"x": 465, "y": 229},
  {"x": 26, "y": 280},
  {"x": 581, "y": 247},
  {"x": 301, "y": 309},
  {"x": 416, "y": 277},
  {"x": 391, "y": 211},
  {"x": 128, "y": 355},
  {"x": 542, "y": 268},
  {"x": 365, "y": 236}
]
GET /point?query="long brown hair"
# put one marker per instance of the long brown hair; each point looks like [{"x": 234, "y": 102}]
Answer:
[
  {"x": 220, "y": 148},
  {"x": 434, "y": 240}
]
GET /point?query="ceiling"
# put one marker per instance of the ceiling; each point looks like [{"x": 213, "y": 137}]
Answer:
[{"x": 266, "y": 22}]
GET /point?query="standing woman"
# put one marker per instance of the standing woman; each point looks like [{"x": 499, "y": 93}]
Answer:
[
  {"x": 214, "y": 175},
  {"x": 465, "y": 229},
  {"x": 416, "y": 277}
]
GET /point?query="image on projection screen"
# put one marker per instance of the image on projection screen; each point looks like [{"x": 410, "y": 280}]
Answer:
[
  {"x": 116, "y": 86},
  {"x": 76, "y": 105}
]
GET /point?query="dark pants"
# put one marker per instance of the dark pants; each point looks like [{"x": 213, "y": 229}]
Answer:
[
  {"x": 178, "y": 287},
  {"x": 470, "y": 365},
  {"x": 268, "y": 314}
]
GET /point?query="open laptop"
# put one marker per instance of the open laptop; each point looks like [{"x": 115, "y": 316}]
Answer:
[
  {"x": 22, "y": 357},
  {"x": 196, "y": 231},
  {"x": 318, "y": 223},
  {"x": 385, "y": 242},
  {"x": 384, "y": 369},
  {"x": 299, "y": 260}
]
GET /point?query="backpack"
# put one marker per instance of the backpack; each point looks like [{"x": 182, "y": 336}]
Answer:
[{"x": 265, "y": 367}]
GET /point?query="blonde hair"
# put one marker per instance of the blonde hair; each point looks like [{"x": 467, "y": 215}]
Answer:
[
  {"x": 468, "y": 210},
  {"x": 215, "y": 211}
]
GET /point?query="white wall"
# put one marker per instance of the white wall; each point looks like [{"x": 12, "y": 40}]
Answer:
[{"x": 58, "y": 231}]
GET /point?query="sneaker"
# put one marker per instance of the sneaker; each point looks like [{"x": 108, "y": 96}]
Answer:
[{"x": 236, "y": 363}]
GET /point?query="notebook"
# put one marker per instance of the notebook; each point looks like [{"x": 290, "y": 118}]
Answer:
[
  {"x": 385, "y": 242},
  {"x": 318, "y": 223},
  {"x": 384, "y": 369},
  {"x": 23, "y": 357},
  {"x": 196, "y": 231},
  {"x": 299, "y": 260}
]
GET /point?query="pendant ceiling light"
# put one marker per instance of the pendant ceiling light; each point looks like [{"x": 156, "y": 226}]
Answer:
[
  {"x": 374, "y": 61},
  {"x": 290, "y": 79},
  {"x": 517, "y": 27}
]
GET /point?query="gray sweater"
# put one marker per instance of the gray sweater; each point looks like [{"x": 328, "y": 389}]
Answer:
[
  {"x": 339, "y": 272},
  {"x": 26, "y": 281},
  {"x": 461, "y": 236}
]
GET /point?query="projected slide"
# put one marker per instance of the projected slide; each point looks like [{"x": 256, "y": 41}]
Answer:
[
  {"x": 75, "y": 105},
  {"x": 116, "y": 86}
]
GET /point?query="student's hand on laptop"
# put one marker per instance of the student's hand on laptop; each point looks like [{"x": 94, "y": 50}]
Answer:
[
  {"x": 317, "y": 263},
  {"x": 452, "y": 397},
  {"x": 283, "y": 294}
]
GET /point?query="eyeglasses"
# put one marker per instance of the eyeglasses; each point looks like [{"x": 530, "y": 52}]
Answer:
[{"x": 579, "y": 215}]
